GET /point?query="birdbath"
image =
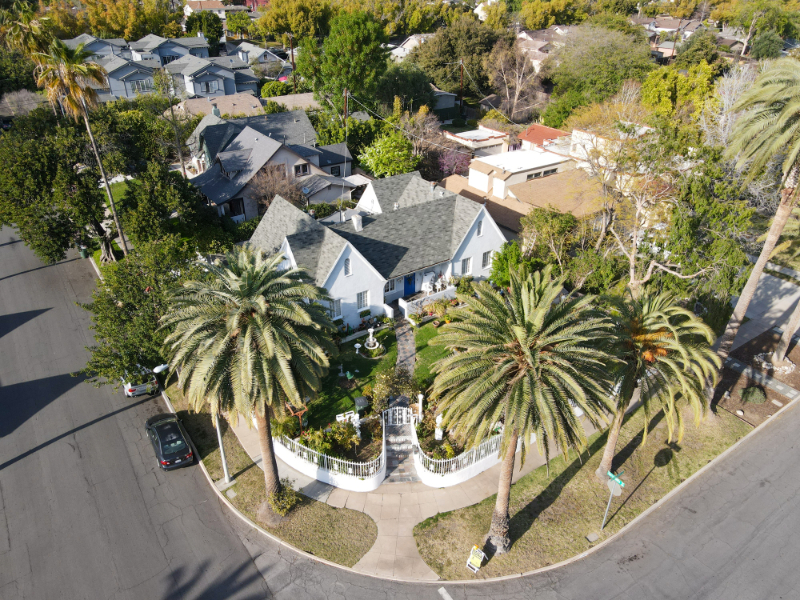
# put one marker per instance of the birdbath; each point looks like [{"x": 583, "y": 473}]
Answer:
[
  {"x": 371, "y": 342},
  {"x": 438, "y": 434},
  {"x": 341, "y": 370},
  {"x": 357, "y": 347}
]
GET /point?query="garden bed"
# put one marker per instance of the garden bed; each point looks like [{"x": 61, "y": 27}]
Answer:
[
  {"x": 338, "y": 395},
  {"x": 552, "y": 514},
  {"x": 340, "y": 535},
  {"x": 766, "y": 344},
  {"x": 734, "y": 383}
]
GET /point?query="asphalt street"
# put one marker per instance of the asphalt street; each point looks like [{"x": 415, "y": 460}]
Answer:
[{"x": 86, "y": 513}]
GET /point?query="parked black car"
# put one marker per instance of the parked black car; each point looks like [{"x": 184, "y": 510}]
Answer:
[{"x": 170, "y": 441}]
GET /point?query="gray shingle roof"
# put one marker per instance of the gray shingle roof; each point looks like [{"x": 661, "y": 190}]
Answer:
[
  {"x": 405, "y": 241},
  {"x": 86, "y": 39},
  {"x": 244, "y": 157},
  {"x": 148, "y": 42},
  {"x": 115, "y": 63},
  {"x": 191, "y": 42},
  {"x": 188, "y": 65},
  {"x": 245, "y": 76},
  {"x": 406, "y": 190},
  {"x": 194, "y": 139},
  {"x": 334, "y": 154},
  {"x": 315, "y": 183},
  {"x": 314, "y": 246},
  {"x": 232, "y": 62}
]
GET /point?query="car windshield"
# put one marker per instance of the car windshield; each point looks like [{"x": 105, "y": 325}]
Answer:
[{"x": 171, "y": 439}]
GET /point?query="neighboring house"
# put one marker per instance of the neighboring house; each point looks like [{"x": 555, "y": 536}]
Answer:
[
  {"x": 397, "y": 192},
  {"x": 250, "y": 53},
  {"x": 494, "y": 175},
  {"x": 734, "y": 46},
  {"x": 99, "y": 46},
  {"x": 665, "y": 50},
  {"x": 568, "y": 191},
  {"x": 167, "y": 50},
  {"x": 126, "y": 78},
  {"x": 491, "y": 102},
  {"x": 211, "y": 77},
  {"x": 445, "y": 101},
  {"x": 325, "y": 189},
  {"x": 540, "y": 136},
  {"x": 537, "y": 51},
  {"x": 483, "y": 141},
  {"x": 234, "y": 105},
  {"x": 480, "y": 10},
  {"x": 214, "y": 6},
  {"x": 399, "y": 53},
  {"x": 336, "y": 160},
  {"x": 213, "y": 134},
  {"x": 372, "y": 261},
  {"x": 254, "y": 5}
]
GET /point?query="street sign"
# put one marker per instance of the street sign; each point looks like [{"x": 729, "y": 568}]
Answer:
[
  {"x": 616, "y": 478},
  {"x": 475, "y": 560},
  {"x": 616, "y": 489},
  {"x": 615, "y": 485}
]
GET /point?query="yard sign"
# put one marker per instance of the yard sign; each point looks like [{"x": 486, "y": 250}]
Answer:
[{"x": 475, "y": 560}]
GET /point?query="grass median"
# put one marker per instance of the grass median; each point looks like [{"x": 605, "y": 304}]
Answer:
[
  {"x": 340, "y": 535},
  {"x": 551, "y": 515}
]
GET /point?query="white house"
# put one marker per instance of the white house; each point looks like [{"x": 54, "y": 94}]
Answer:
[
  {"x": 400, "y": 191},
  {"x": 480, "y": 10},
  {"x": 494, "y": 174},
  {"x": 399, "y": 53},
  {"x": 214, "y": 6},
  {"x": 372, "y": 262},
  {"x": 483, "y": 141}
]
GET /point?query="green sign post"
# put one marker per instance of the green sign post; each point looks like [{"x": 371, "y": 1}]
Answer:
[{"x": 615, "y": 485}]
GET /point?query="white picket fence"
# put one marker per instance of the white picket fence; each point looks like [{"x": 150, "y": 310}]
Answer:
[
  {"x": 345, "y": 474},
  {"x": 399, "y": 415}
]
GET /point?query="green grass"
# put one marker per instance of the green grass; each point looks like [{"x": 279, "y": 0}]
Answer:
[
  {"x": 552, "y": 513},
  {"x": 337, "y": 534},
  {"x": 98, "y": 253},
  {"x": 118, "y": 189},
  {"x": 333, "y": 399},
  {"x": 454, "y": 129},
  {"x": 426, "y": 354}
]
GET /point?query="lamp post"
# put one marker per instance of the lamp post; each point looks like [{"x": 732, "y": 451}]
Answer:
[
  {"x": 420, "y": 397},
  {"x": 222, "y": 450}
]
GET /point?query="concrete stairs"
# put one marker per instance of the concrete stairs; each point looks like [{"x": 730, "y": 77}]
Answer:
[{"x": 399, "y": 458}]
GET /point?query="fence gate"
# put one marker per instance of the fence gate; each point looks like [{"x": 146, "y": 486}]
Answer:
[{"x": 399, "y": 415}]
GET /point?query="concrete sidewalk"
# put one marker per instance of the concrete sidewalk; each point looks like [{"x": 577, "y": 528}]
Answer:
[{"x": 395, "y": 507}]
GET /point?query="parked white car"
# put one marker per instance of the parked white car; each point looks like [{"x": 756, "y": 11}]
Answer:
[{"x": 137, "y": 386}]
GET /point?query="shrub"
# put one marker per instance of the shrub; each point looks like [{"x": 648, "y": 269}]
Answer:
[
  {"x": 365, "y": 314},
  {"x": 753, "y": 395},
  {"x": 382, "y": 388},
  {"x": 244, "y": 230},
  {"x": 275, "y": 88},
  {"x": 285, "y": 499},
  {"x": 374, "y": 428},
  {"x": 271, "y": 107},
  {"x": 472, "y": 122},
  {"x": 465, "y": 285},
  {"x": 367, "y": 390},
  {"x": 440, "y": 307},
  {"x": 459, "y": 122},
  {"x": 322, "y": 210},
  {"x": 289, "y": 427},
  {"x": 449, "y": 452}
]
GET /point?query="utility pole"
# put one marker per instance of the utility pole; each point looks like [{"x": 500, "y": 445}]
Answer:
[
  {"x": 345, "y": 105},
  {"x": 291, "y": 54},
  {"x": 461, "y": 91}
]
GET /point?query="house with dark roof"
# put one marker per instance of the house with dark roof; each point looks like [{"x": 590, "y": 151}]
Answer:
[
  {"x": 210, "y": 77},
  {"x": 100, "y": 47},
  {"x": 166, "y": 50},
  {"x": 388, "y": 262},
  {"x": 126, "y": 78},
  {"x": 397, "y": 192}
]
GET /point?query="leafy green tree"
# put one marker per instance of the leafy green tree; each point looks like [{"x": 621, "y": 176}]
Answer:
[
  {"x": 248, "y": 341},
  {"x": 271, "y": 107},
  {"x": 541, "y": 14},
  {"x": 664, "y": 351},
  {"x": 16, "y": 72},
  {"x": 275, "y": 88},
  {"x": 358, "y": 134},
  {"x": 128, "y": 303},
  {"x": 508, "y": 260},
  {"x": 549, "y": 234},
  {"x": 591, "y": 66},
  {"x": 407, "y": 81},
  {"x": 303, "y": 18},
  {"x": 497, "y": 16},
  {"x": 390, "y": 155},
  {"x": 616, "y": 21},
  {"x": 353, "y": 57},
  {"x": 767, "y": 45},
  {"x": 211, "y": 26},
  {"x": 465, "y": 39},
  {"x": 523, "y": 358},
  {"x": 669, "y": 90},
  {"x": 69, "y": 81},
  {"x": 701, "y": 47},
  {"x": 238, "y": 22}
]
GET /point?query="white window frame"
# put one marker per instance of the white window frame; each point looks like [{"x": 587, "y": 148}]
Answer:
[
  {"x": 301, "y": 169},
  {"x": 362, "y": 300},
  {"x": 390, "y": 286},
  {"x": 348, "y": 267},
  {"x": 487, "y": 259},
  {"x": 479, "y": 230},
  {"x": 468, "y": 262},
  {"x": 209, "y": 87},
  {"x": 335, "y": 309},
  {"x": 141, "y": 86}
]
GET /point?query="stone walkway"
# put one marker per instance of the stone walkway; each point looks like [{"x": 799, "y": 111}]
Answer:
[{"x": 406, "y": 346}]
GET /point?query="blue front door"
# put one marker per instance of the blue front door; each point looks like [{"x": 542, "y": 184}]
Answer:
[{"x": 410, "y": 288}]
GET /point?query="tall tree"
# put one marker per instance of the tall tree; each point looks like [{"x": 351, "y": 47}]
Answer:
[
  {"x": 238, "y": 23},
  {"x": 178, "y": 120},
  {"x": 210, "y": 25},
  {"x": 68, "y": 80},
  {"x": 303, "y": 18},
  {"x": 522, "y": 359},
  {"x": 250, "y": 341},
  {"x": 353, "y": 58},
  {"x": 664, "y": 351},
  {"x": 769, "y": 128},
  {"x": 390, "y": 155}
]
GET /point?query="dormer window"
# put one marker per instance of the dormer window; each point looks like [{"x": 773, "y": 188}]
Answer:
[
  {"x": 479, "y": 231},
  {"x": 301, "y": 169},
  {"x": 348, "y": 268}
]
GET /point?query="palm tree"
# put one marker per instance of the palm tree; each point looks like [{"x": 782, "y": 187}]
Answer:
[
  {"x": 67, "y": 78},
  {"x": 770, "y": 128},
  {"x": 522, "y": 358},
  {"x": 664, "y": 351},
  {"x": 249, "y": 340}
]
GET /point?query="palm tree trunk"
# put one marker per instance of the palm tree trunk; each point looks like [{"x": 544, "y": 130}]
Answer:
[
  {"x": 611, "y": 444},
  {"x": 105, "y": 182},
  {"x": 498, "y": 540},
  {"x": 271, "y": 479},
  {"x": 775, "y": 231},
  {"x": 786, "y": 338}
]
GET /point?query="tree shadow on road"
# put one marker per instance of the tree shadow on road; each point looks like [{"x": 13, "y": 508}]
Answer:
[
  {"x": 9, "y": 323},
  {"x": 21, "y": 401},
  {"x": 38, "y": 268},
  {"x": 238, "y": 583}
]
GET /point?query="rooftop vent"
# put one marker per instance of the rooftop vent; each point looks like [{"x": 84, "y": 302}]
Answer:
[
  {"x": 357, "y": 225},
  {"x": 396, "y": 205}
]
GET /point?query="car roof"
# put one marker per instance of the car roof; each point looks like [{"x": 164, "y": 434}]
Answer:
[{"x": 163, "y": 417}]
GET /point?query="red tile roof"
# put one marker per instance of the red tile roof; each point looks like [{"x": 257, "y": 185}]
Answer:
[{"x": 538, "y": 134}]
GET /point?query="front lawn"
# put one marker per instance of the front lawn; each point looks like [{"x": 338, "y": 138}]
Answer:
[
  {"x": 426, "y": 354},
  {"x": 334, "y": 398},
  {"x": 552, "y": 514},
  {"x": 337, "y": 534}
]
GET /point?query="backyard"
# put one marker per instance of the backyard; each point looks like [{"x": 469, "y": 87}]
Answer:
[
  {"x": 551, "y": 513},
  {"x": 337, "y": 534},
  {"x": 339, "y": 394}
]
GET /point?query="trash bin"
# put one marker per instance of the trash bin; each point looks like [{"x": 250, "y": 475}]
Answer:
[{"x": 84, "y": 251}]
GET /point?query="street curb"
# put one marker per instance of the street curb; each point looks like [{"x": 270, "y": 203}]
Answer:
[{"x": 96, "y": 268}]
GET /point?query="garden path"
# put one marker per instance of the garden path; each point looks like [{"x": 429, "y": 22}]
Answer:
[{"x": 406, "y": 346}]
